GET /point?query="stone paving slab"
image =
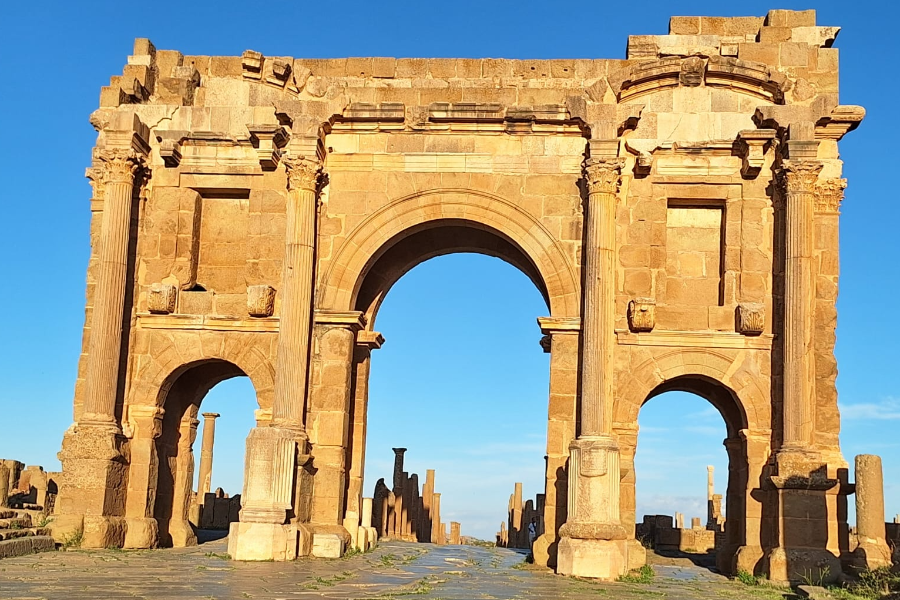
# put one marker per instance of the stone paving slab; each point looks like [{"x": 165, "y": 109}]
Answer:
[{"x": 394, "y": 570}]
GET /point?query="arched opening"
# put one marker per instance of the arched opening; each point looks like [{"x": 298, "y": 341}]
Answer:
[
  {"x": 462, "y": 380},
  {"x": 682, "y": 509},
  {"x": 181, "y": 397}
]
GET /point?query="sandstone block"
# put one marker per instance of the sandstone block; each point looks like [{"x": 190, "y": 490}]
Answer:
[{"x": 327, "y": 545}]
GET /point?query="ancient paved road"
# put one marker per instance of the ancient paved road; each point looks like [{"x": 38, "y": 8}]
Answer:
[{"x": 393, "y": 570}]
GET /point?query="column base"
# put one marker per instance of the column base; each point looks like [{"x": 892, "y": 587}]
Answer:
[
  {"x": 745, "y": 558},
  {"x": 263, "y": 541},
  {"x": 600, "y": 559},
  {"x": 543, "y": 550},
  {"x": 871, "y": 554},
  {"x": 141, "y": 532},
  {"x": 789, "y": 566}
]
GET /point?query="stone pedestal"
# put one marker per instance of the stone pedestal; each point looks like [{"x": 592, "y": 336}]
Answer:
[
  {"x": 91, "y": 499},
  {"x": 592, "y": 542},
  {"x": 263, "y": 532},
  {"x": 802, "y": 553}
]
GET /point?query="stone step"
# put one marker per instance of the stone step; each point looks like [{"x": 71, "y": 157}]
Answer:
[
  {"x": 26, "y": 545},
  {"x": 7, "y": 513},
  {"x": 15, "y": 523}
]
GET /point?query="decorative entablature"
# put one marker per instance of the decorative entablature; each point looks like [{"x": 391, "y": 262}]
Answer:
[
  {"x": 468, "y": 117},
  {"x": 744, "y": 76}
]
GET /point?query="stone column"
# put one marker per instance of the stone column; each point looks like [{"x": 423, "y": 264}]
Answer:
[
  {"x": 802, "y": 481},
  {"x": 436, "y": 527},
  {"x": 873, "y": 551},
  {"x": 93, "y": 455},
  {"x": 516, "y": 532},
  {"x": 276, "y": 454},
  {"x": 455, "y": 537},
  {"x": 4, "y": 485},
  {"x": 118, "y": 168},
  {"x": 593, "y": 540},
  {"x": 206, "y": 455},
  {"x": 427, "y": 494},
  {"x": 295, "y": 321},
  {"x": 798, "y": 181},
  {"x": 398, "y": 481}
]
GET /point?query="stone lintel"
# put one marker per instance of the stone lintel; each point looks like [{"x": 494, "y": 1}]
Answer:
[
  {"x": 557, "y": 325},
  {"x": 207, "y": 322},
  {"x": 694, "y": 339},
  {"x": 351, "y": 319}
]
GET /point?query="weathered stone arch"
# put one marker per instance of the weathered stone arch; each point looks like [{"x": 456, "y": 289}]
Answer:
[
  {"x": 175, "y": 353},
  {"x": 733, "y": 371},
  {"x": 342, "y": 279}
]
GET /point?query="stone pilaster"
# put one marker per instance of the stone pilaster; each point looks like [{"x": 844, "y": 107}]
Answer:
[
  {"x": 276, "y": 454},
  {"x": 204, "y": 482},
  {"x": 593, "y": 541},
  {"x": 143, "y": 473}
]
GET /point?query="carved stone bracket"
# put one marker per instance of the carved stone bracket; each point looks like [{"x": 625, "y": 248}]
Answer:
[
  {"x": 751, "y": 318},
  {"x": 251, "y": 64},
  {"x": 268, "y": 140},
  {"x": 170, "y": 146},
  {"x": 753, "y": 144},
  {"x": 372, "y": 340},
  {"x": 260, "y": 300},
  {"x": 144, "y": 422},
  {"x": 641, "y": 314},
  {"x": 829, "y": 195},
  {"x": 161, "y": 298},
  {"x": 546, "y": 343}
]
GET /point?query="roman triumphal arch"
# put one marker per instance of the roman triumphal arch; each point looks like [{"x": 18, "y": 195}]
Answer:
[{"x": 678, "y": 210}]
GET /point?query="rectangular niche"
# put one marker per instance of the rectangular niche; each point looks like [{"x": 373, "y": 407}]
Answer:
[
  {"x": 224, "y": 235},
  {"x": 695, "y": 246}
]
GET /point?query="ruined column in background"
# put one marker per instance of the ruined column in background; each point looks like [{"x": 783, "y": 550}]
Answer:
[
  {"x": 873, "y": 551},
  {"x": 455, "y": 537},
  {"x": 204, "y": 484},
  {"x": 436, "y": 527},
  {"x": 4, "y": 485}
]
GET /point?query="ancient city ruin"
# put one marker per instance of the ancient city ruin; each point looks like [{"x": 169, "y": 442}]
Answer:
[{"x": 677, "y": 209}]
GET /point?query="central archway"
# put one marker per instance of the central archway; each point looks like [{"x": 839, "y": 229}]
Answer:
[{"x": 373, "y": 257}]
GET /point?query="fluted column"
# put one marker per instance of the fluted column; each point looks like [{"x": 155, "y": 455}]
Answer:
[
  {"x": 798, "y": 181},
  {"x": 204, "y": 482},
  {"x": 593, "y": 541},
  {"x": 295, "y": 324},
  {"x": 598, "y": 316},
  {"x": 117, "y": 171}
]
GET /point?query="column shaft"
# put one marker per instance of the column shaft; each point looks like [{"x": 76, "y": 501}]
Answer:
[
  {"x": 118, "y": 171},
  {"x": 598, "y": 313},
  {"x": 799, "y": 180},
  {"x": 292, "y": 365},
  {"x": 204, "y": 483}
]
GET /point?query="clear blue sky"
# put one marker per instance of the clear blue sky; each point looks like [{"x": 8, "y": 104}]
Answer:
[{"x": 56, "y": 56}]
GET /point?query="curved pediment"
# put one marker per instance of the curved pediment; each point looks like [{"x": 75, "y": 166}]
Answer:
[{"x": 746, "y": 77}]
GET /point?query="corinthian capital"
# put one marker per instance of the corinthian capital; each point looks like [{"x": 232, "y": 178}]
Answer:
[
  {"x": 829, "y": 195},
  {"x": 119, "y": 166},
  {"x": 303, "y": 173},
  {"x": 799, "y": 176},
  {"x": 602, "y": 174}
]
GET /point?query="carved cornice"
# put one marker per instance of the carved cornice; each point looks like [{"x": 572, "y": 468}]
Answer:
[
  {"x": 303, "y": 173},
  {"x": 602, "y": 175},
  {"x": 798, "y": 177},
  {"x": 829, "y": 194},
  {"x": 120, "y": 165}
]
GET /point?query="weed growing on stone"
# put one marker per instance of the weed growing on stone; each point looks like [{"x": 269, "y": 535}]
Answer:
[
  {"x": 643, "y": 575},
  {"x": 871, "y": 585},
  {"x": 746, "y": 577},
  {"x": 45, "y": 520},
  {"x": 219, "y": 555},
  {"x": 73, "y": 540}
]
